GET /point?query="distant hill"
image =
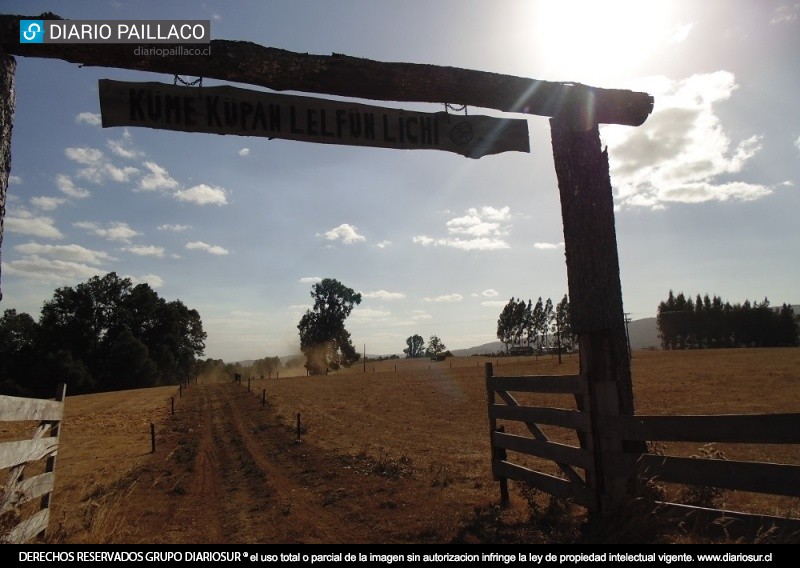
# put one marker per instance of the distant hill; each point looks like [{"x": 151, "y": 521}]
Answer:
[
  {"x": 644, "y": 334},
  {"x": 486, "y": 348}
]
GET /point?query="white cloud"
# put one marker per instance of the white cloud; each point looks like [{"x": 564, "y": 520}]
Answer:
[
  {"x": 203, "y": 194},
  {"x": 383, "y": 295},
  {"x": 157, "y": 179},
  {"x": 494, "y": 303},
  {"x": 216, "y": 17},
  {"x": 73, "y": 253},
  {"x": 97, "y": 166},
  {"x": 211, "y": 249},
  {"x": 682, "y": 152},
  {"x": 423, "y": 240},
  {"x": 310, "y": 280},
  {"x": 548, "y": 246},
  {"x": 84, "y": 156},
  {"x": 495, "y": 214},
  {"x": 369, "y": 314},
  {"x": 115, "y": 231},
  {"x": 786, "y": 13},
  {"x": 681, "y": 33},
  {"x": 490, "y": 293},
  {"x": 464, "y": 244},
  {"x": 68, "y": 187},
  {"x": 383, "y": 244},
  {"x": 445, "y": 298},
  {"x": 244, "y": 152},
  {"x": 90, "y": 118},
  {"x": 153, "y": 280},
  {"x": 146, "y": 250},
  {"x": 47, "y": 203},
  {"x": 52, "y": 271},
  {"x": 26, "y": 223},
  {"x": 421, "y": 315},
  {"x": 121, "y": 148},
  {"x": 797, "y": 142},
  {"x": 119, "y": 175},
  {"x": 174, "y": 228},
  {"x": 14, "y": 180},
  {"x": 347, "y": 233},
  {"x": 478, "y": 229}
]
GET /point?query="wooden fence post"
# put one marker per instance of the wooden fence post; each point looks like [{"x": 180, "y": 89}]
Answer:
[
  {"x": 264, "y": 397},
  {"x": 50, "y": 465},
  {"x": 502, "y": 455},
  {"x": 595, "y": 292},
  {"x": 172, "y": 403},
  {"x": 495, "y": 452},
  {"x": 152, "y": 438},
  {"x": 298, "y": 426},
  {"x": 8, "y": 98}
]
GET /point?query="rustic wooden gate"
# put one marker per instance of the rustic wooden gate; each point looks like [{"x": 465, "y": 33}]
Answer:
[
  {"x": 17, "y": 456},
  {"x": 575, "y": 112}
]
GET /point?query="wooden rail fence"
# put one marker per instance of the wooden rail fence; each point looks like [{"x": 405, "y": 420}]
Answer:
[
  {"x": 16, "y": 456},
  {"x": 606, "y": 468}
]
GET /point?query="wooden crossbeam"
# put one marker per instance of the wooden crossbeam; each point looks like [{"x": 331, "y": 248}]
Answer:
[{"x": 336, "y": 74}]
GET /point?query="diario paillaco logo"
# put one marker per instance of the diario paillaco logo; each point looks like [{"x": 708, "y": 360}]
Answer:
[
  {"x": 31, "y": 31},
  {"x": 115, "y": 31}
]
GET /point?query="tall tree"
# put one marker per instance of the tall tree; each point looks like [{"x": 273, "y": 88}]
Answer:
[
  {"x": 527, "y": 324},
  {"x": 18, "y": 353},
  {"x": 539, "y": 324},
  {"x": 561, "y": 327},
  {"x": 416, "y": 347},
  {"x": 505, "y": 324},
  {"x": 547, "y": 316},
  {"x": 110, "y": 335},
  {"x": 323, "y": 338},
  {"x": 435, "y": 347}
]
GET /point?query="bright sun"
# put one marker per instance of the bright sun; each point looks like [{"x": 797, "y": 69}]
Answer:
[{"x": 597, "y": 41}]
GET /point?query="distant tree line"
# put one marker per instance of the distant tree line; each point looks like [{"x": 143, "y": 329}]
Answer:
[
  {"x": 217, "y": 370},
  {"x": 537, "y": 328},
  {"x": 104, "y": 334},
  {"x": 708, "y": 322}
]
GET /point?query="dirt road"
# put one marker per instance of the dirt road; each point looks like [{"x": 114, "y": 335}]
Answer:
[{"x": 227, "y": 470}]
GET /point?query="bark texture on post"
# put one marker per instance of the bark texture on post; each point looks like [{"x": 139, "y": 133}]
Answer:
[
  {"x": 7, "y": 103},
  {"x": 590, "y": 242},
  {"x": 595, "y": 292}
]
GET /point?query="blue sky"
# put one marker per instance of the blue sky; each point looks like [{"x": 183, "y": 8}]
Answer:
[{"x": 707, "y": 190}]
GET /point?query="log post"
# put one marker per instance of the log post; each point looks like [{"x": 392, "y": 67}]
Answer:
[
  {"x": 495, "y": 452},
  {"x": 7, "y": 104},
  {"x": 595, "y": 292},
  {"x": 50, "y": 464}
]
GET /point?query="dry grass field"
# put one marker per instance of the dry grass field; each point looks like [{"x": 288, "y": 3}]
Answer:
[{"x": 398, "y": 453}]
